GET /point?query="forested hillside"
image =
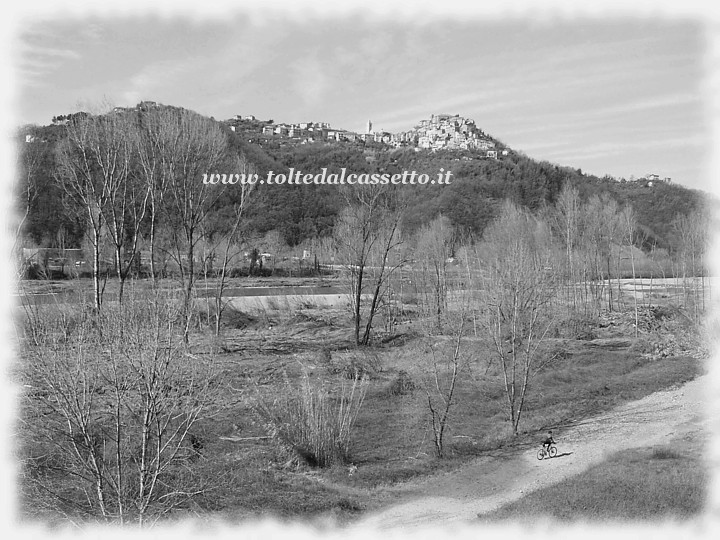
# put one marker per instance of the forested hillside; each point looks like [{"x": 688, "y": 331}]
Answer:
[{"x": 300, "y": 213}]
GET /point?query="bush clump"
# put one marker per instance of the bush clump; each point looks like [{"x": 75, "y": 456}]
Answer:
[
  {"x": 403, "y": 385},
  {"x": 665, "y": 453},
  {"x": 313, "y": 420},
  {"x": 355, "y": 365}
]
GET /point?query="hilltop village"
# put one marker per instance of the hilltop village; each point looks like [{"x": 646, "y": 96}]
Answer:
[{"x": 439, "y": 132}]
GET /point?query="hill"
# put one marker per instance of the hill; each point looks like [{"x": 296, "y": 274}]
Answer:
[{"x": 478, "y": 185}]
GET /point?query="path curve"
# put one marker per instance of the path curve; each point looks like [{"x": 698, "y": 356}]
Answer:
[{"x": 487, "y": 483}]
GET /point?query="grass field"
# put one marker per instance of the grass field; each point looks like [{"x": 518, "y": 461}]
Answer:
[
  {"x": 632, "y": 486},
  {"x": 392, "y": 441},
  {"x": 250, "y": 476}
]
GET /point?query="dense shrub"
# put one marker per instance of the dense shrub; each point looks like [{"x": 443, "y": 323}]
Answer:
[
  {"x": 353, "y": 365},
  {"x": 403, "y": 384},
  {"x": 313, "y": 420}
]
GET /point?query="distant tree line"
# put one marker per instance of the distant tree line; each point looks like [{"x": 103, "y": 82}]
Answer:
[
  {"x": 121, "y": 181},
  {"x": 300, "y": 215}
]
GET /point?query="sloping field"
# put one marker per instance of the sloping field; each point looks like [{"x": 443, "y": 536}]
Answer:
[{"x": 488, "y": 483}]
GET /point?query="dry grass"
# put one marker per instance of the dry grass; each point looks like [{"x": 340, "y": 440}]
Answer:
[
  {"x": 393, "y": 434},
  {"x": 637, "y": 485},
  {"x": 313, "y": 422},
  {"x": 391, "y": 437}
]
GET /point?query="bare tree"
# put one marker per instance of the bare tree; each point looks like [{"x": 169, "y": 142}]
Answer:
[
  {"x": 157, "y": 146},
  {"x": 231, "y": 238},
  {"x": 568, "y": 223},
  {"x": 367, "y": 235},
  {"x": 127, "y": 200},
  {"x": 692, "y": 234},
  {"x": 114, "y": 406},
  {"x": 519, "y": 284},
  {"x": 630, "y": 226},
  {"x": 30, "y": 157},
  {"x": 92, "y": 164},
  {"x": 434, "y": 248},
  {"x": 196, "y": 149},
  {"x": 441, "y": 391},
  {"x": 603, "y": 229}
]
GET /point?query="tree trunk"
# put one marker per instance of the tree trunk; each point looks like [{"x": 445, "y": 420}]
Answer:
[
  {"x": 610, "y": 297},
  {"x": 373, "y": 307},
  {"x": 187, "y": 307},
  {"x": 96, "y": 269},
  {"x": 358, "y": 294},
  {"x": 153, "y": 274}
]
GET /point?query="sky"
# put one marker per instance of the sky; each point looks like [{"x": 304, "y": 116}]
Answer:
[{"x": 619, "y": 94}]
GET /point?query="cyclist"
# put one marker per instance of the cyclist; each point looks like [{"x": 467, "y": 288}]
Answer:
[{"x": 548, "y": 441}]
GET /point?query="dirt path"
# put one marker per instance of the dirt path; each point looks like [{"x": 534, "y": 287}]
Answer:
[{"x": 488, "y": 483}]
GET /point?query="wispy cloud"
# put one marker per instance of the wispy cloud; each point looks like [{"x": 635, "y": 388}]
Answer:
[
  {"x": 650, "y": 103},
  {"x": 42, "y": 50},
  {"x": 37, "y": 61},
  {"x": 618, "y": 93}
]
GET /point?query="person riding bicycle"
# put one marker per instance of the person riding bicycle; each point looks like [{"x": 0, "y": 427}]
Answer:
[{"x": 548, "y": 441}]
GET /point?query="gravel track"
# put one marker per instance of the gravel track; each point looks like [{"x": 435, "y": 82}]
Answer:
[{"x": 458, "y": 497}]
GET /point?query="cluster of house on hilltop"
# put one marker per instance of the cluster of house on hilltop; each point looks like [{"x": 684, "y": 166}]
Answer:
[
  {"x": 307, "y": 132},
  {"x": 650, "y": 178},
  {"x": 451, "y": 132},
  {"x": 440, "y": 132},
  {"x": 142, "y": 106}
]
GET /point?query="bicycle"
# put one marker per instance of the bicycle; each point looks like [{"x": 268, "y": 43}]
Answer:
[{"x": 551, "y": 452}]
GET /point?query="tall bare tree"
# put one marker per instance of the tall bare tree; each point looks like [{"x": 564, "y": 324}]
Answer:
[
  {"x": 692, "y": 239},
  {"x": 434, "y": 248},
  {"x": 603, "y": 230},
  {"x": 629, "y": 229},
  {"x": 568, "y": 223},
  {"x": 367, "y": 236},
  {"x": 193, "y": 146},
  {"x": 519, "y": 284},
  {"x": 440, "y": 391},
  {"x": 30, "y": 156},
  {"x": 127, "y": 200},
  {"x": 93, "y": 163},
  {"x": 232, "y": 237},
  {"x": 157, "y": 145}
]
